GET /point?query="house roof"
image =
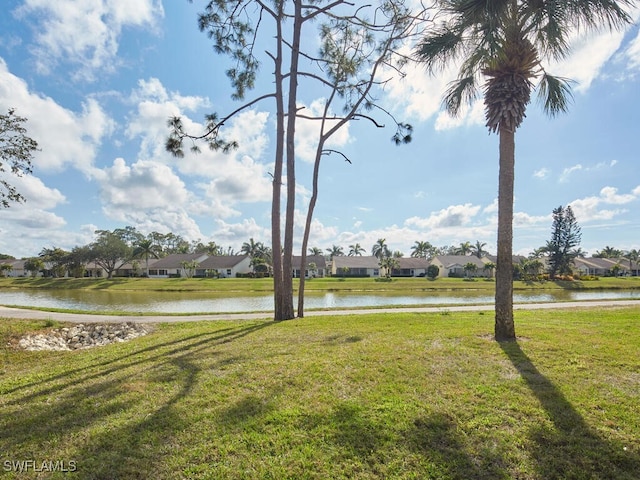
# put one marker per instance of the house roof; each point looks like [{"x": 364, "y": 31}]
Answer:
[
  {"x": 413, "y": 262},
  {"x": 222, "y": 261},
  {"x": 342, "y": 261},
  {"x": 449, "y": 261},
  {"x": 175, "y": 260},
  {"x": 603, "y": 263},
  {"x": 319, "y": 260}
]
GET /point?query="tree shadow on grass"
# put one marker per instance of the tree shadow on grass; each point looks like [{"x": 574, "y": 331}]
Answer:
[
  {"x": 571, "y": 449},
  {"x": 99, "y": 369},
  {"x": 107, "y": 419},
  {"x": 437, "y": 438}
]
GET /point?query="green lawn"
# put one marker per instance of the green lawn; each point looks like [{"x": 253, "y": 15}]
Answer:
[{"x": 411, "y": 396}]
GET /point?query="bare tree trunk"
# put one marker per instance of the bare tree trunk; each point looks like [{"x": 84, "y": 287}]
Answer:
[
  {"x": 307, "y": 227},
  {"x": 504, "y": 326},
  {"x": 279, "y": 291},
  {"x": 287, "y": 252}
]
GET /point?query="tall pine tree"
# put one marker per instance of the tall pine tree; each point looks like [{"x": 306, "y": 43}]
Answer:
[{"x": 565, "y": 240}]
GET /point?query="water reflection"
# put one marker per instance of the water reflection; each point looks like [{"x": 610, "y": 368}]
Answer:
[{"x": 199, "y": 302}]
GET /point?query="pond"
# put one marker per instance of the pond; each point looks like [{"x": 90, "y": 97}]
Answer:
[{"x": 202, "y": 302}]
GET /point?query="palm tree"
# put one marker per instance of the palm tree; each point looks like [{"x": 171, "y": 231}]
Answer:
[
  {"x": 633, "y": 256},
  {"x": 315, "y": 251},
  {"x": 146, "y": 248},
  {"x": 470, "y": 268},
  {"x": 356, "y": 250},
  {"x": 250, "y": 248},
  {"x": 608, "y": 252},
  {"x": 488, "y": 268},
  {"x": 464, "y": 249},
  {"x": 421, "y": 249},
  {"x": 380, "y": 249},
  {"x": 478, "y": 249},
  {"x": 335, "y": 251},
  {"x": 502, "y": 44}
]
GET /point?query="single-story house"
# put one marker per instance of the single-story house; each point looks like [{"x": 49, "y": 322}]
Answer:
[
  {"x": 16, "y": 270},
  {"x": 411, "y": 267},
  {"x": 355, "y": 266},
  {"x": 318, "y": 269},
  {"x": 605, "y": 266},
  {"x": 454, "y": 265},
  {"x": 224, "y": 266},
  {"x": 173, "y": 265}
]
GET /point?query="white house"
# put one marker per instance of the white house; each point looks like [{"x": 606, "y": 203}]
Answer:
[
  {"x": 318, "y": 261},
  {"x": 411, "y": 267},
  {"x": 173, "y": 265},
  {"x": 453, "y": 265},
  {"x": 225, "y": 266},
  {"x": 355, "y": 266}
]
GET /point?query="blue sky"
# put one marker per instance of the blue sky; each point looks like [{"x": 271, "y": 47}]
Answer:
[{"x": 98, "y": 79}]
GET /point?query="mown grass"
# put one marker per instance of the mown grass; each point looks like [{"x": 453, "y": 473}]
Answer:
[
  {"x": 411, "y": 396},
  {"x": 243, "y": 286}
]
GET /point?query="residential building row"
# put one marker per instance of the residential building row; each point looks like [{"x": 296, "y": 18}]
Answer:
[{"x": 231, "y": 266}]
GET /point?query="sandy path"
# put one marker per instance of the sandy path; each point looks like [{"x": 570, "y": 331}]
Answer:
[{"x": 11, "y": 312}]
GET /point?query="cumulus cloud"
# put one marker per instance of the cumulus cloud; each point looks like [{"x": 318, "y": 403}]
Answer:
[
  {"x": 589, "y": 53},
  {"x": 33, "y": 221},
  {"x": 240, "y": 232},
  {"x": 224, "y": 179},
  {"x": 452, "y": 216},
  {"x": 595, "y": 207},
  {"x": 84, "y": 34},
  {"x": 420, "y": 94},
  {"x": 308, "y": 131},
  {"x": 66, "y": 138},
  {"x": 142, "y": 185}
]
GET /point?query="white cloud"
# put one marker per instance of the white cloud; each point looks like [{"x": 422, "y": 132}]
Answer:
[
  {"x": 85, "y": 34},
  {"x": 633, "y": 53},
  {"x": 591, "y": 208},
  {"x": 225, "y": 178},
  {"x": 308, "y": 131},
  {"x": 238, "y": 233},
  {"x": 421, "y": 94},
  {"x": 542, "y": 173},
  {"x": 610, "y": 195},
  {"x": 452, "y": 216},
  {"x": 140, "y": 186},
  {"x": 589, "y": 53},
  {"x": 150, "y": 196},
  {"x": 567, "y": 172},
  {"x": 33, "y": 222},
  {"x": 65, "y": 138},
  {"x": 522, "y": 219},
  {"x": 469, "y": 115}
]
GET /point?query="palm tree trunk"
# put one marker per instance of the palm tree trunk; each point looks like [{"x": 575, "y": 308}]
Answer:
[{"x": 504, "y": 326}]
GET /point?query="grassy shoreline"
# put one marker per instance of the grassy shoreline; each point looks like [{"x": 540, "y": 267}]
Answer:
[
  {"x": 361, "y": 396},
  {"x": 265, "y": 285}
]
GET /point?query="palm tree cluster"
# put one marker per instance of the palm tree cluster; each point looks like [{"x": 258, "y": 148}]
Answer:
[{"x": 261, "y": 255}]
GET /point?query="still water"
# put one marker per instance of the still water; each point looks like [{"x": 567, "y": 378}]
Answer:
[{"x": 199, "y": 302}]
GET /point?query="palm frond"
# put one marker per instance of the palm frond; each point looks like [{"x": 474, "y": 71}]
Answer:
[
  {"x": 594, "y": 14},
  {"x": 439, "y": 48},
  {"x": 462, "y": 91},
  {"x": 554, "y": 93}
]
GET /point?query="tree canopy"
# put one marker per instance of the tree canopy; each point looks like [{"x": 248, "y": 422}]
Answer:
[{"x": 16, "y": 153}]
